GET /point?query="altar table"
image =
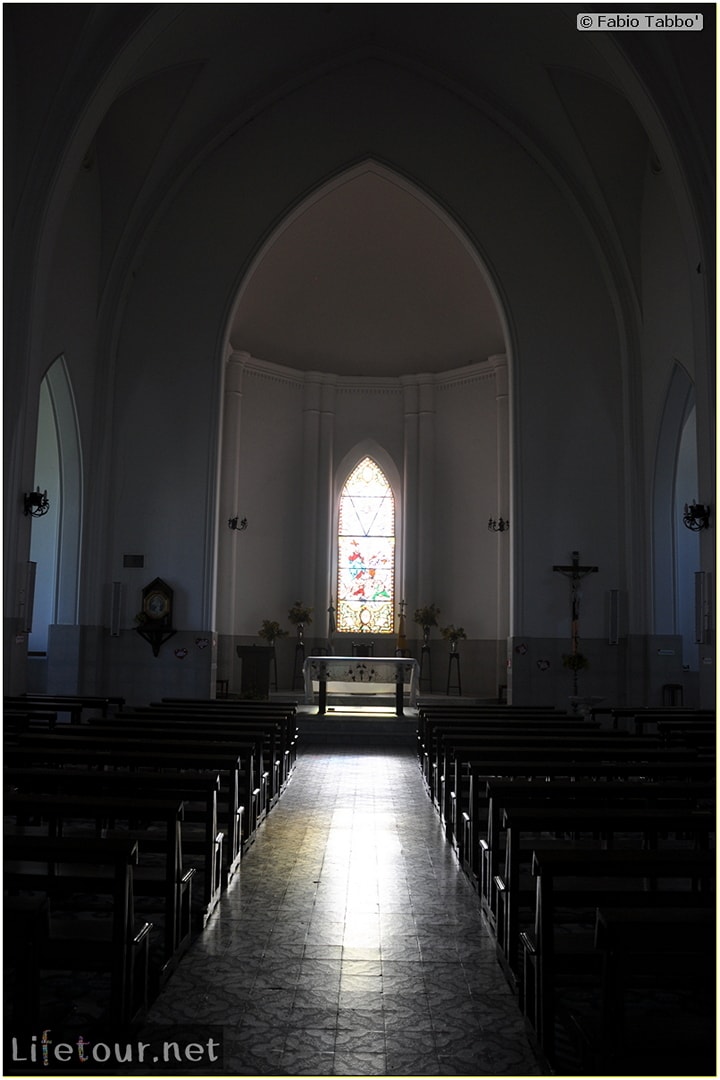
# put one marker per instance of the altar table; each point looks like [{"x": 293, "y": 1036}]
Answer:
[{"x": 361, "y": 675}]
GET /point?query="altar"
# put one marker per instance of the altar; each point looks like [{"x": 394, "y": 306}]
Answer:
[{"x": 367, "y": 675}]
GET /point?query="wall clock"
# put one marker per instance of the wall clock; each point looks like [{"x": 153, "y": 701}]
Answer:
[
  {"x": 157, "y": 602},
  {"x": 157, "y": 611}
]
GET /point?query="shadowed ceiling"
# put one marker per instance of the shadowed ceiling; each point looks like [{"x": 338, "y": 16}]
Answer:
[{"x": 368, "y": 279}]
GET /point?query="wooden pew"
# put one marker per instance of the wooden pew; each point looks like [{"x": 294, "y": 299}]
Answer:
[
  {"x": 439, "y": 731},
  {"x": 496, "y": 757},
  {"x": 640, "y": 827},
  {"x": 169, "y": 757},
  {"x": 266, "y": 736},
  {"x": 650, "y": 721},
  {"x": 284, "y": 715},
  {"x": 248, "y": 742},
  {"x": 640, "y": 717},
  {"x": 700, "y": 735},
  {"x": 663, "y": 767},
  {"x": 74, "y": 709},
  {"x": 279, "y": 726},
  {"x": 560, "y": 877},
  {"x": 431, "y": 717},
  {"x": 118, "y": 945},
  {"x": 429, "y": 726},
  {"x": 17, "y": 719},
  {"x": 26, "y": 932},
  {"x": 110, "y": 740},
  {"x": 172, "y": 883},
  {"x": 502, "y": 792},
  {"x": 655, "y": 952},
  {"x": 453, "y": 750},
  {"x": 572, "y": 747},
  {"x": 75, "y": 704},
  {"x": 270, "y": 707},
  {"x": 198, "y": 790}
]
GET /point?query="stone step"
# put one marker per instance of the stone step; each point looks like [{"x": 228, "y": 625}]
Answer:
[{"x": 344, "y": 725}]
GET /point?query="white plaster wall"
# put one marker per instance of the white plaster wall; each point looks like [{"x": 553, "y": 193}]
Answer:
[
  {"x": 565, "y": 363},
  {"x": 270, "y": 473},
  {"x": 667, "y": 313},
  {"x": 270, "y": 572},
  {"x": 369, "y": 412},
  {"x": 466, "y": 485}
]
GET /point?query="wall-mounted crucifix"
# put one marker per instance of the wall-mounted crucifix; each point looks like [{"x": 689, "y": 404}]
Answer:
[{"x": 575, "y": 572}]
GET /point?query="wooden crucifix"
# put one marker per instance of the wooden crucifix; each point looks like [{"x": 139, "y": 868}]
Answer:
[{"x": 575, "y": 572}]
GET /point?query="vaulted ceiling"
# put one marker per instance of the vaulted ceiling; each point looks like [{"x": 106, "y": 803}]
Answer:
[
  {"x": 368, "y": 278},
  {"x": 366, "y": 274}
]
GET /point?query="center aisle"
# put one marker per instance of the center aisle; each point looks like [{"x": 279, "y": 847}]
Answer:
[{"x": 350, "y": 943}]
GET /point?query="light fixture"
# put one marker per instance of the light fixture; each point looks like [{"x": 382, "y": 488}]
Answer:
[
  {"x": 696, "y": 516},
  {"x": 36, "y": 503},
  {"x": 233, "y": 523},
  {"x": 501, "y": 525}
]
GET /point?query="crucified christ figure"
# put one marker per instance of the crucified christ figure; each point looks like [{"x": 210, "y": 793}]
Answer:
[{"x": 575, "y": 572}]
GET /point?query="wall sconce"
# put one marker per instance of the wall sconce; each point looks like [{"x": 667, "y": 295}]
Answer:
[
  {"x": 501, "y": 525},
  {"x": 696, "y": 516},
  {"x": 234, "y": 524},
  {"x": 36, "y": 503}
]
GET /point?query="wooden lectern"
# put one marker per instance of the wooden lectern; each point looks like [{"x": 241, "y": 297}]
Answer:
[{"x": 255, "y": 678}]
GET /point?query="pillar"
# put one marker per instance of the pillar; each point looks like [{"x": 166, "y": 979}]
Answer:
[{"x": 228, "y": 550}]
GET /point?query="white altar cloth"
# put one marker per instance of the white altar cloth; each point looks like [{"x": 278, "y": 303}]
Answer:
[{"x": 381, "y": 675}]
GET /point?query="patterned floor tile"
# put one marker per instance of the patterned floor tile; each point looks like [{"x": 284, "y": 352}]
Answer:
[
  {"x": 360, "y": 1064},
  {"x": 349, "y": 943},
  {"x": 307, "y": 1064},
  {"x": 352, "y": 1041}
]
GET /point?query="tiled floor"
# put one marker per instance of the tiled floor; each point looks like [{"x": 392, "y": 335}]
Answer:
[{"x": 350, "y": 943}]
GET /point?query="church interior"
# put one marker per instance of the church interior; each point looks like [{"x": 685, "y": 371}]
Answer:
[{"x": 359, "y": 547}]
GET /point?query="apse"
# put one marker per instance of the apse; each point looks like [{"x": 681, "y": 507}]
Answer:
[{"x": 368, "y": 277}]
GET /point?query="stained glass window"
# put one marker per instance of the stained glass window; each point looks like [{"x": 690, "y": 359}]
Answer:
[{"x": 366, "y": 552}]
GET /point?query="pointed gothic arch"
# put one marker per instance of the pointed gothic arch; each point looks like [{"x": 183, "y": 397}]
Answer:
[
  {"x": 676, "y": 552},
  {"x": 56, "y": 539}
]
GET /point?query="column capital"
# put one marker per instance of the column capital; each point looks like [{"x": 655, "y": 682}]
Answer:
[{"x": 235, "y": 365}]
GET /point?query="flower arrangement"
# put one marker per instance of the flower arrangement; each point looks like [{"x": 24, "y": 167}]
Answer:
[
  {"x": 270, "y": 630},
  {"x": 427, "y": 616},
  {"x": 575, "y": 661},
  {"x": 300, "y": 613},
  {"x": 453, "y": 633}
]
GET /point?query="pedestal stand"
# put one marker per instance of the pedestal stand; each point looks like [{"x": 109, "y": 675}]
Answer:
[
  {"x": 425, "y": 668},
  {"x": 456, "y": 657},
  {"x": 297, "y": 682}
]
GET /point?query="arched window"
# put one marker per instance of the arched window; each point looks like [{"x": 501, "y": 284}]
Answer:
[{"x": 366, "y": 552}]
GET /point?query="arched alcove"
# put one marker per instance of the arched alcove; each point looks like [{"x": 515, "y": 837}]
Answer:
[
  {"x": 676, "y": 550},
  {"x": 373, "y": 277},
  {"x": 55, "y": 540},
  {"x": 343, "y": 336}
]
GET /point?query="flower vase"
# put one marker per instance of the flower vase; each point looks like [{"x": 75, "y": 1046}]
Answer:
[
  {"x": 453, "y": 645},
  {"x": 426, "y": 635}
]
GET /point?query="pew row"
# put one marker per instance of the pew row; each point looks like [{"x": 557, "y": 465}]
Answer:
[
  {"x": 531, "y": 829},
  {"x": 502, "y": 793},
  {"x": 172, "y": 757},
  {"x": 582, "y": 881},
  {"x": 117, "y": 945},
  {"x": 73, "y": 704},
  {"x": 655, "y": 1009},
  {"x": 202, "y": 840},
  {"x": 169, "y": 884}
]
